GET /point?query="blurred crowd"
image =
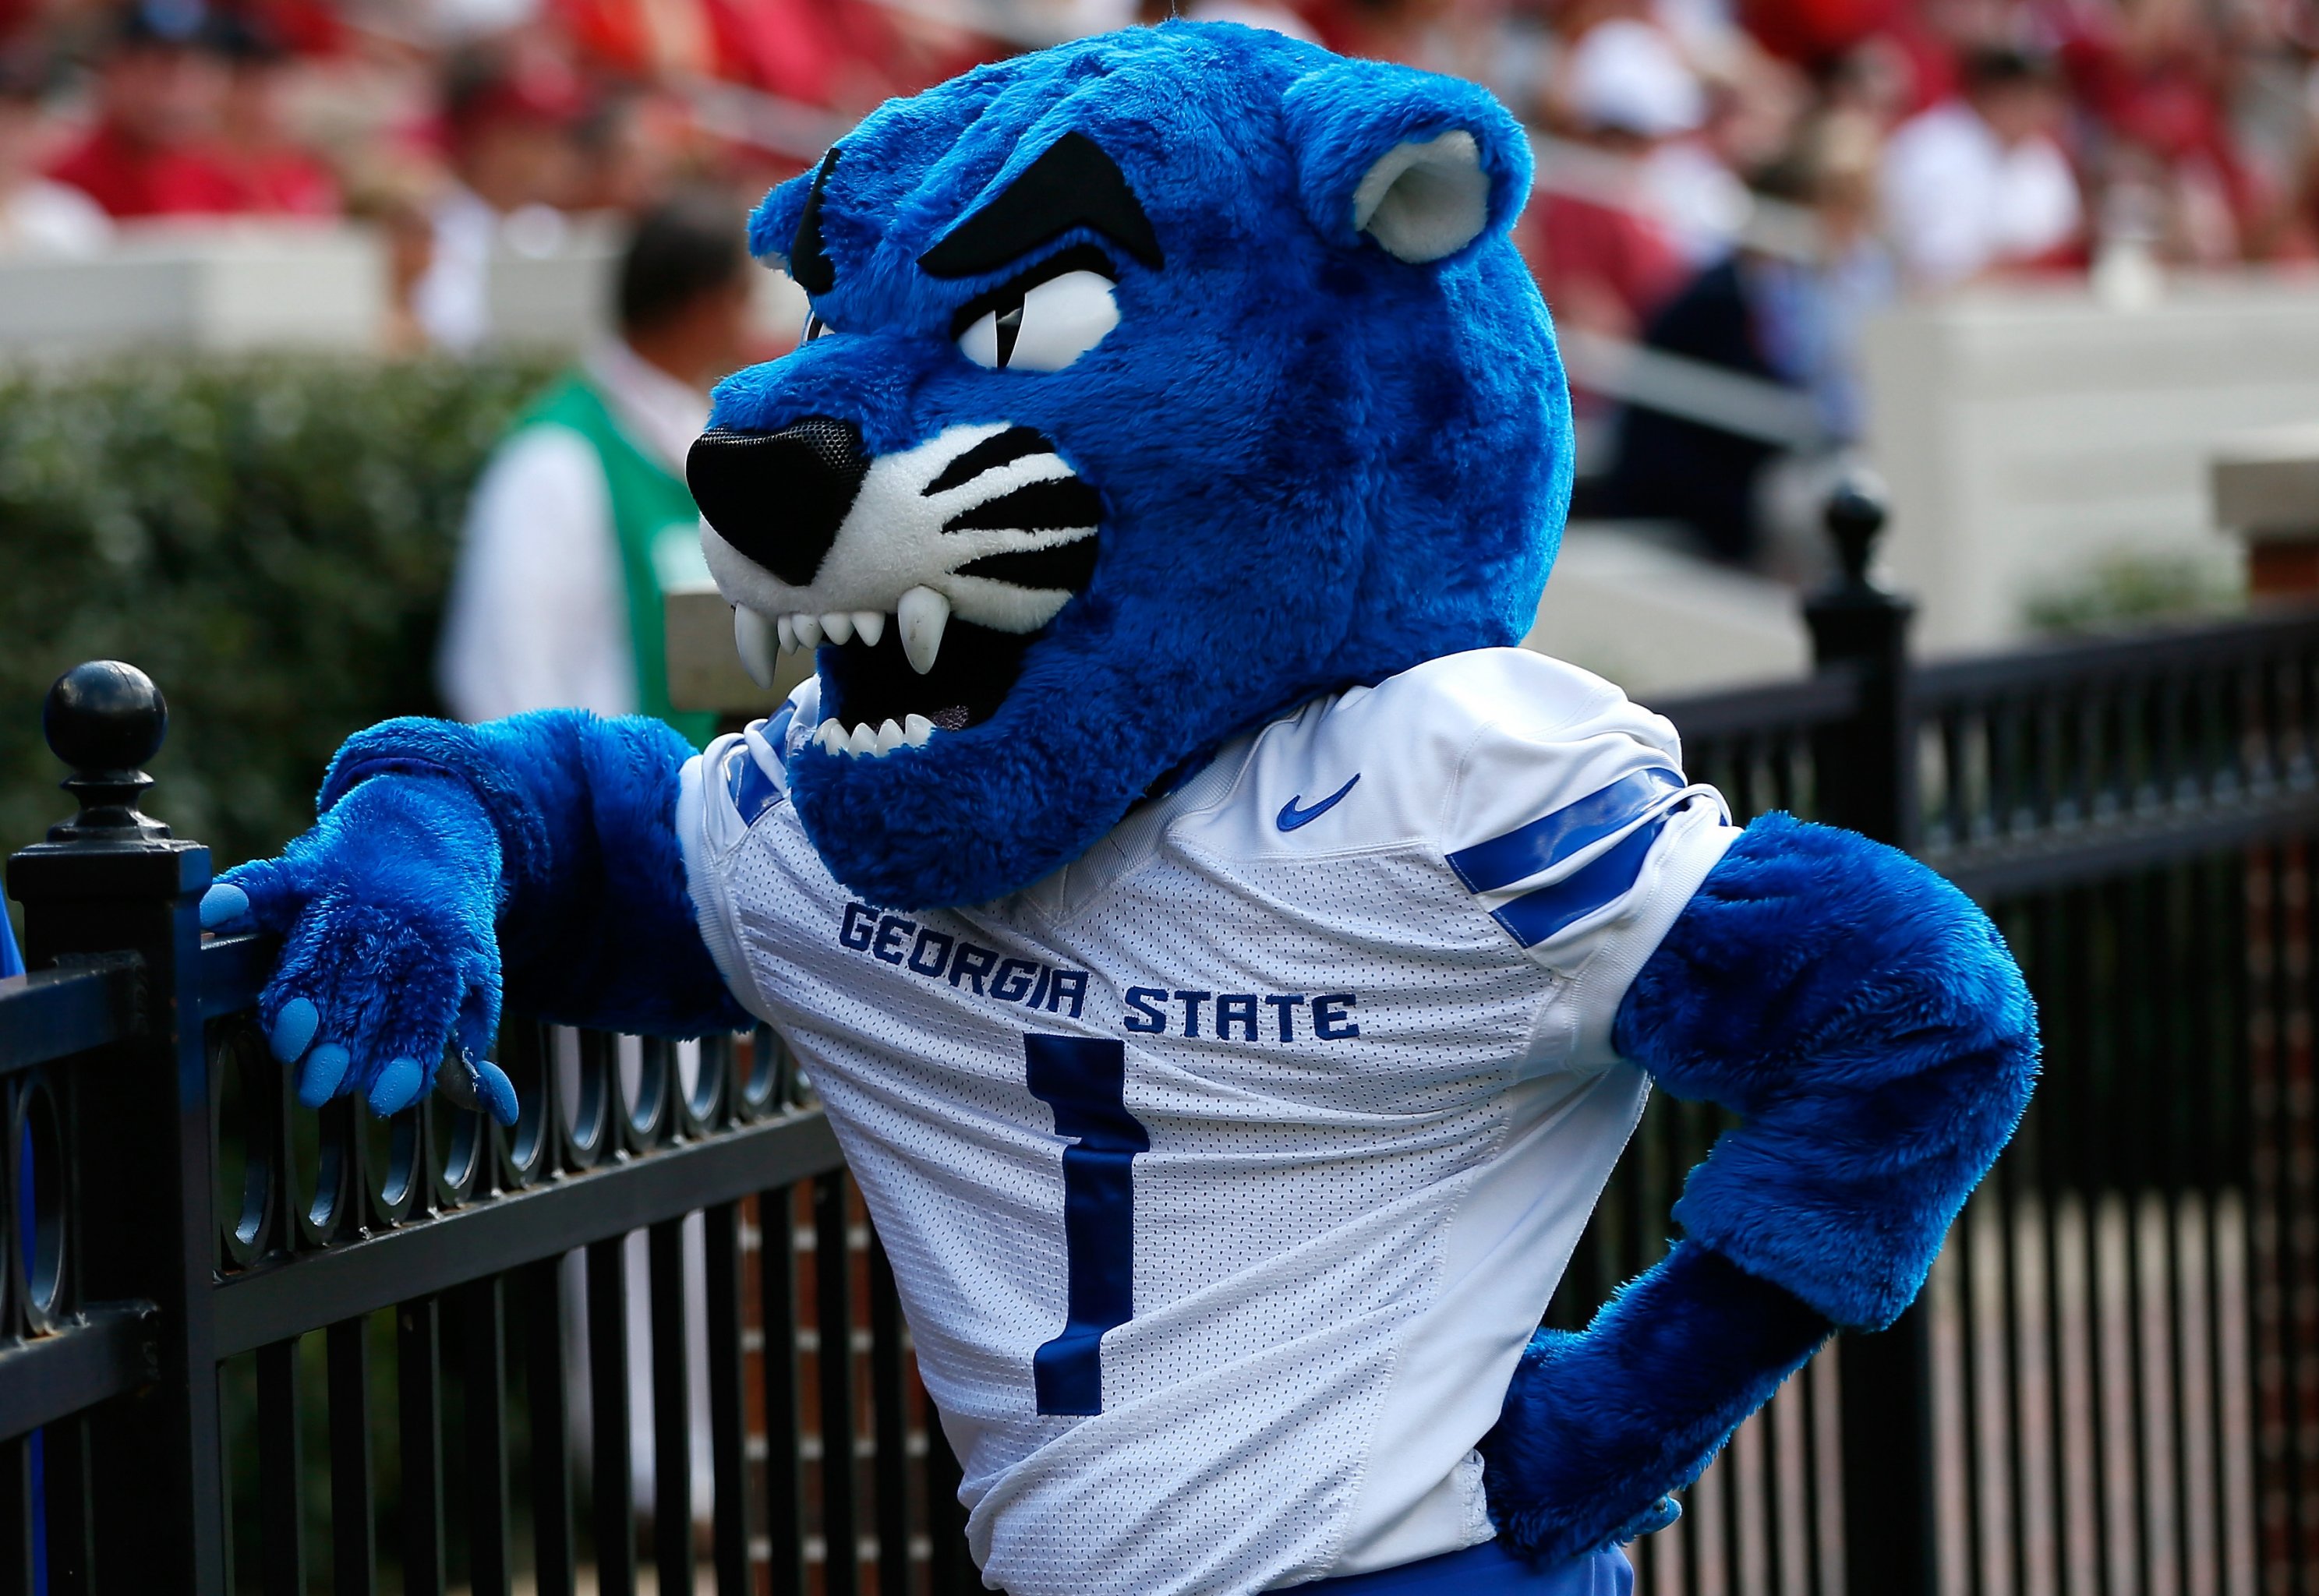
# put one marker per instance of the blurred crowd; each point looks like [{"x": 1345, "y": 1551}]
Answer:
[
  {"x": 1738, "y": 183},
  {"x": 454, "y": 126}
]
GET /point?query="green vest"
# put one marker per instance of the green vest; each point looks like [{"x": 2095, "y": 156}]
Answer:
[{"x": 658, "y": 530}]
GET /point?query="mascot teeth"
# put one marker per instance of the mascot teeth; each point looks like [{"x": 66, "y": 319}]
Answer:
[
  {"x": 865, "y": 739},
  {"x": 922, "y": 613},
  {"x": 808, "y": 631},
  {"x": 756, "y": 639}
]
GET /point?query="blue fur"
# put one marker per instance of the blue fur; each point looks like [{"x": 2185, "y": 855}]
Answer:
[
  {"x": 535, "y": 857},
  {"x": 1341, "y": 120},
  {"x": 1869, "y": 1025},
  {"x": 1599, "y": 1426},
  {"x": 1321, "y": 465},
  {"x": 1867, "y": 1021}
]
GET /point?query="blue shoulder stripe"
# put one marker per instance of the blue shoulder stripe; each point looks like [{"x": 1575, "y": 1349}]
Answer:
[
  {"x": 752, "y": 791},
  {"x": 1545, "y": 841},
  {"x": 1536, "y": 916}
]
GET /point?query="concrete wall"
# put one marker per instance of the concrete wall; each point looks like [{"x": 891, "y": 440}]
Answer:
[
  {"x": 2030, "y": 435},
  {"x": 1632, "y": 605},
  {"x": 231, "y": 287},
  {"x": 211, "y": 287}
]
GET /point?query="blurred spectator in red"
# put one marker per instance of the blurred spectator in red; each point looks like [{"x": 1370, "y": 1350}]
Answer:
[
  {"x": 1978, "y": 184},
  {"x": 38, "y": 216},
  {"x": 276, "y": 175},
  {"x": 1606, "y": 264},
  {"x": 845, "y": 54},
  {"x": 642, "y": 38},
  {"x": 2153, "y": 84},
  {"x": 637, "y": 147},
  {"x": 395, "y": 197},
  {"x": 299, "y": 27},
  {"x": 509, "y": 115},
  {"x": 159, "y": 92},
  {"x": 1815, "y": 32},
  {"x": 1273, "y": 18}
]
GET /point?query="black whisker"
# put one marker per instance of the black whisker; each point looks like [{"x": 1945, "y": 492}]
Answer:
[
  {"x": 1070, "y": 566},
  {"x": 989, "y": 455},
  {"x": 1034, "y": 507}
]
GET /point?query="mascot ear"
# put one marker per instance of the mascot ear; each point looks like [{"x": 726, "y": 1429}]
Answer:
[
  {"x": 775, "y": 224},
  {"x": 1420, "y": 164}
]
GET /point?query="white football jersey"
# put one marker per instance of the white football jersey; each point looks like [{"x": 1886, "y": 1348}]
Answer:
[{"x": 1226, "y": 1172}]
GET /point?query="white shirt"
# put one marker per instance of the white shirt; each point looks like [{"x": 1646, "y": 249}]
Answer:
[
  {"x": 54, "y": 218},
  {"x": 1698, "y": 200},
  {"x": 1957, "y": 201},
  {"x": 1226, "y": 1172},
  {"x": 538, "y": 617},
  {"x": 453, "y": 297}
]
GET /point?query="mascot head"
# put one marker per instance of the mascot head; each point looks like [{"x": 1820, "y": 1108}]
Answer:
[{"x": 1153, "y": 384}]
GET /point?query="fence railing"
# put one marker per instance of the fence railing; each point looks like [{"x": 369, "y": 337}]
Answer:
[
  {"x": 645, "y": 1338},
  {"x": 2112, "y": 1383},
  {"x": 224, "y": 1314}
]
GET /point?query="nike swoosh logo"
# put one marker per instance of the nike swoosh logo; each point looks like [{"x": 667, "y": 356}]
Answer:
[{"x": 1291, "y": 817}]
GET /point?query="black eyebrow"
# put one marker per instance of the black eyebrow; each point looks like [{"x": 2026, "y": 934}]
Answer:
[
  {"x": 1078, "y": 258},
  {"x": 809, "y": 263},
  {"x": 1073, "y": 185}
]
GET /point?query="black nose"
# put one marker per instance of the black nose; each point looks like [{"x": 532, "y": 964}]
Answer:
[{"x": 778, "y": 496}]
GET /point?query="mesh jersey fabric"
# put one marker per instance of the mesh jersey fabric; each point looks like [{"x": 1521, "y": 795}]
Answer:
[{"x": 1364, "y": 1043}]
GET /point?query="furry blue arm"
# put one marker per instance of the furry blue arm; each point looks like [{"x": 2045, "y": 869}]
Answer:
[
  {"x": 1599, "y": 1426},
  {"x": 537, "y": 855},
  {"x": 595, "y": 924},
  {"x": 1867, "y": 1022}
]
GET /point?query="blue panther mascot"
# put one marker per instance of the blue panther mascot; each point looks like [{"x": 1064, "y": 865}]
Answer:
[{"x": 1230, "y": 967}]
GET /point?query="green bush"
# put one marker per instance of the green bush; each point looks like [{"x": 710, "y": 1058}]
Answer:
[{"x": 269, "y": 540}]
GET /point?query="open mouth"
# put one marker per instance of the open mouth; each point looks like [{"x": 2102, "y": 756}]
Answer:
[
  {"x": 893, "y": 681},
  {"x": 875, "y": 700},
  {"x": 985, "y": 529}
]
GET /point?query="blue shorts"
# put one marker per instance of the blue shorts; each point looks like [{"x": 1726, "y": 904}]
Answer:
[{"x": 1489, "y": 1569}]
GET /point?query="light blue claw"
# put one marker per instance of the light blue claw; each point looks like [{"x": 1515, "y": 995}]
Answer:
[
  {"x": 293, "y": 1029},
  {"x": 326, "y": 1067},
  {"x": 498, "y": 1092},
  {"x": 397, "y": 1088},
  {"x": 1653, "y": 1518},
  {"x": 477, "y": 1085},
  {"x": 223, "y": 903}
]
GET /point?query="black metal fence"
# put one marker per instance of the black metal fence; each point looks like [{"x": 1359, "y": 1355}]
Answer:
[
  {"x": 2111, "y": 1386},
  {"x": 250, "y": 1347}
]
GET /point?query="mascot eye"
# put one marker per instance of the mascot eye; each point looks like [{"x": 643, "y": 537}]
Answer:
[{"x": 1044, "y": 327}]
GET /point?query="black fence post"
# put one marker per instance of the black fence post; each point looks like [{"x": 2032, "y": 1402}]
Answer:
[
  {"x": 113, "y": 881},
  {"x": 1866, "y": 772},
  {"x": 1866, "y": 766}
]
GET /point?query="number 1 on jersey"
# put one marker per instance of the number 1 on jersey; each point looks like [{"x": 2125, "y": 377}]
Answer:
[{"x": 1084, "y": 1079}]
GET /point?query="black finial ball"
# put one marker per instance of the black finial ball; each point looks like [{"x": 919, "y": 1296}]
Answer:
[
  {"x": 104, "y": 716},
  {"x": 1855, "y": 514}
]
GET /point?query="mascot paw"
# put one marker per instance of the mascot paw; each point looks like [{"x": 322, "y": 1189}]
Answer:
[
  {"x": 388, "y": 958},
  {"x": 1653, "y": 1518},
  {"x": 1602, "y": 1424}
]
